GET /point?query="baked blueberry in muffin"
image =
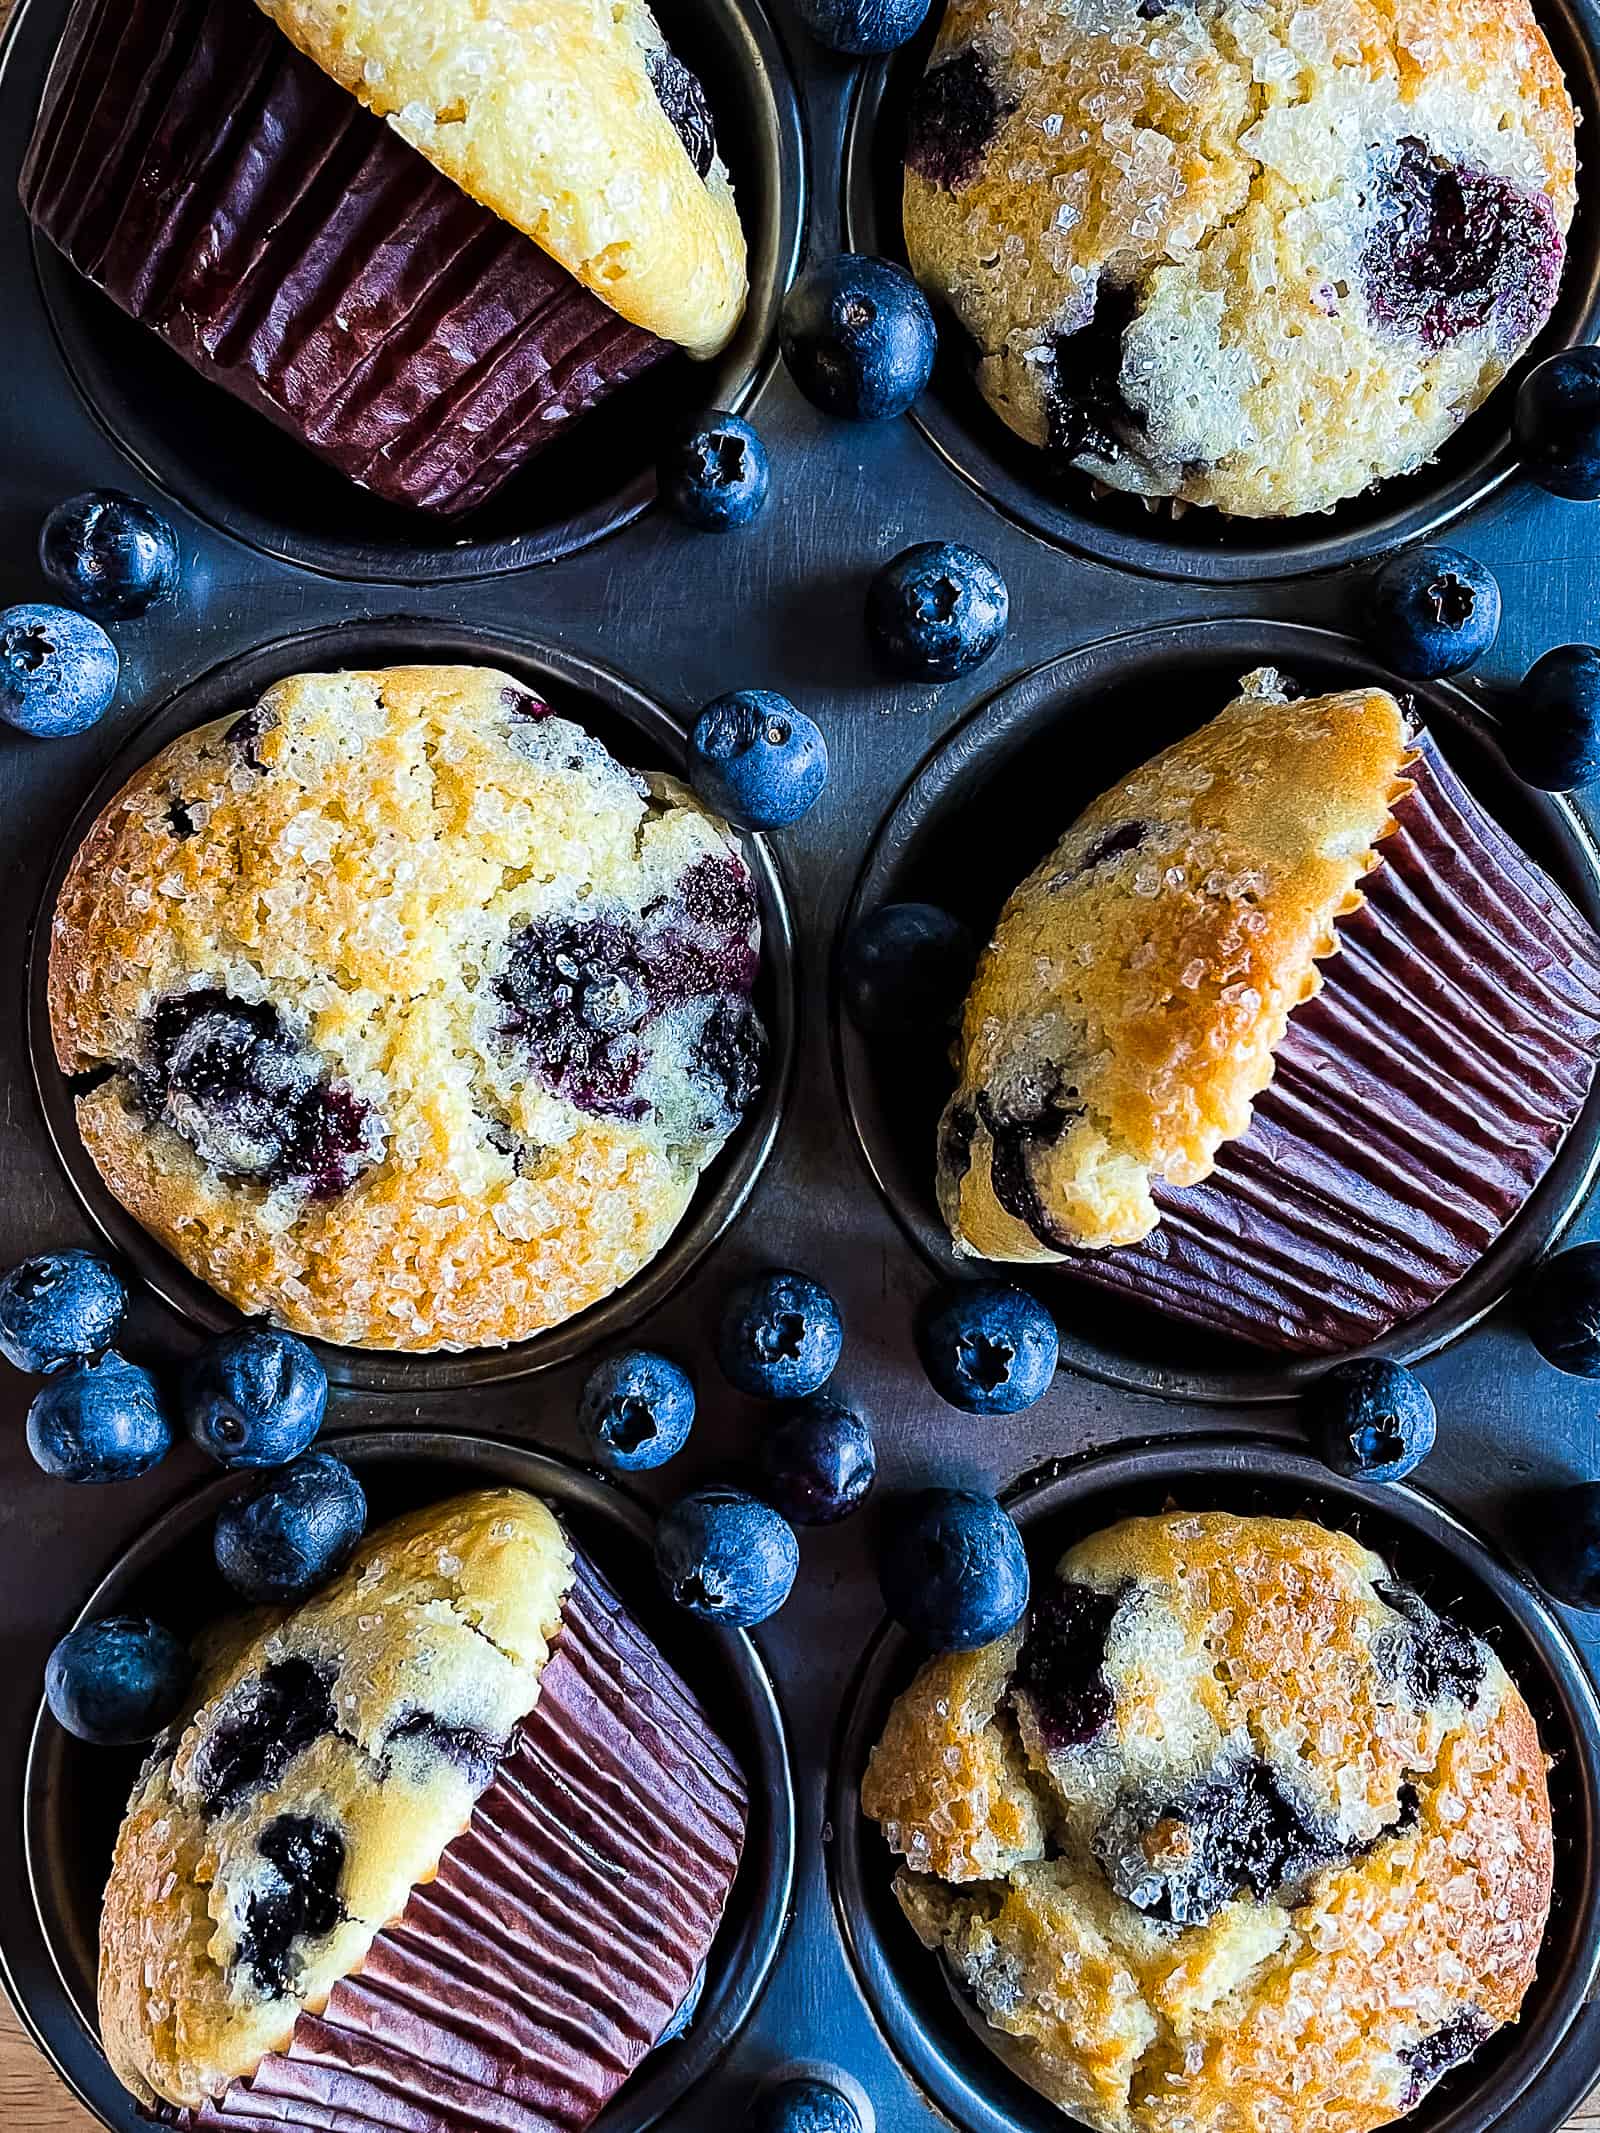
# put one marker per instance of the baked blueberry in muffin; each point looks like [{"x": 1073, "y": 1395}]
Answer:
[
  {"x": 411, "y": 1016},
  {"x": 1234, "y": 1829},
  {"x": 1256, "y": 254}
]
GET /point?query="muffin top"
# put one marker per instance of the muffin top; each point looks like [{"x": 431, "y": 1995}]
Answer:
[
  {"x": 328, "y": 1757},
  {"x": 1123, "y": 1019},
  {"x": 421, "y": 1013},
  {"x": 574, "y": 122},
  {"x": 1237, "y": 1831},
  {"x": 1256, "y": 254}
]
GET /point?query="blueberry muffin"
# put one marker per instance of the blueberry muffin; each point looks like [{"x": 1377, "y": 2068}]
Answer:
[
  {"x": 1280, "y": 1036},
  {"x": 410, "y": 1017},
  {"x": 1255, "y": 254},
  {"x": 1234, "y": 1831},
  {"x": 384, "y": 1852}
]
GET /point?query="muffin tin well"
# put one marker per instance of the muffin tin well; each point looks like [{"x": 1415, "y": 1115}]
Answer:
[
  {"x": 986, "y": 806},
  {"x": 77, "y": 1794},
  {"x": 1428, "y": 1549},
  {"x": 640, "y": 733},
  {"x": 1203, "y": 545}
]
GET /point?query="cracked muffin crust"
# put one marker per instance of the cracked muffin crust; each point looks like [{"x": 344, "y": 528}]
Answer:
[
  {"x": 1254, "y": 254},
  {"x": 1237, "y": 1831},
  {"x": 410, "y": 1016}
]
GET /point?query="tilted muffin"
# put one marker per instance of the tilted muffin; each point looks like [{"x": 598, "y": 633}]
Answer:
[
  {"x": 412, "y": 1777},
  {"x": 1236, "y": 1831},
  {"x": 1256, "y": 254},
  {"x": 422, "y": 1014}
]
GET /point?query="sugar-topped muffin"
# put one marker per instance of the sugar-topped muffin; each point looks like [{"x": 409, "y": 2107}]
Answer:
[
  {"x": 1256, "y": 254},
  {"x": 411, "y": 1015},
  {"x": 1235, "y": 1830}
]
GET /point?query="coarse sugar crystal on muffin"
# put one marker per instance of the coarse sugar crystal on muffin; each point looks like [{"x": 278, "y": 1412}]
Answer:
[
  {"x": 411, "y": 1015},
  {"x": 1235, "y": 1831},
  {"x": 1254, "y": 254}
]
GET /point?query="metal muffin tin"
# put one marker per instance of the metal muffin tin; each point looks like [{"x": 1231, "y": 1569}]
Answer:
[{"x": 638, "y": 629}]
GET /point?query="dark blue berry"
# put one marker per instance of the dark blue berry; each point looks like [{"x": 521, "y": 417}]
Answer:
[
  {"x": 802, "y": 2105},
  {"x": 906, "y": 968},
  {"x": 635, "y": 1411},
  {"x": 779, "y": 1336},
  {"x": 116, "y": 1681},
  {"x": 108, "y": 553},
  {"x": 59, "y": 1308},
  {"x": 817, "y": 1462},
  {"x": 988, "y": 1348},
  {"x": 1181, "y": 1859},
  {"x": 937, "y": 610},
  {"x": 955, "y": 112},
  {"x": 296, "y": 1900},
  {"x": 253, "y": 1398},
  {"x": 1432, "y": 2056},
  {"x": 952, "y": 1569},
  {"x": 258, "y": 1730},
  {"x": 1561, "y": 1310},
  {"x": 858, "y": 337},
  {"x": 99, "y": 1421},
  {"x": 58, "y": 671},
  {"x": 757, "y": 760},
  {"x": 688, "y": 2008},
  {"x": 715, "y": 474},
  {"x": 681, "y": 97},
  {"x": 1061, "y": 1671},
  {"x": 1558, "y": 424},
  {"x": 1552, "y": 732},
  {"x": 1372, "y": 1420},
  {"x": 1433, "y": 611},
  {"x": 726, "y": 1557},
  {"x": 293, "y": 1530},
  {"x": 863, "y": 28},
  {"x": 1559, "y": 1530}
]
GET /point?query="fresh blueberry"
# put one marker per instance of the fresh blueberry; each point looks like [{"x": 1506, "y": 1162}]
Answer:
[
  {"x": 716, "y": 475},
  {"x": 802, "y": 2105},
  {"x": 1559, "y": 1530},
  {"x": 988, "y": 1348},
  {"x": 726, "y": 1557},
  {"x": 779, "y": 1336},
  {"x": 757, "y": 760},
  {"x": 863, "y": 28},
  {"x": 293, "y": 1530},
  {"x": 905, "y": 968},
  {"x": 952, "y": 1569},
  {"x": 1552, "y": 732},
  {"x": 58, "y": 671},
  {"x": 57, "y": 1309},
  {"x": 1433, "y": 611},
  {"x": 817, "y": 1462},
  {"x": 255, "y": 1397},
  {"x": 688, "y": 2008},
  {"x": 858, "y": 337},
  {"x": 1561, "y": 1309},
  {"x": 109, "y": 553},
  {"x": 99, "y": 1421},
  {"x": 937, "y": 610},
  {"x": 1372, "y": 1420},
  {"x": 116, "y": 1681},
  {"x": 635, "y": 1411},
  {"x": 1558, "y": 424}
]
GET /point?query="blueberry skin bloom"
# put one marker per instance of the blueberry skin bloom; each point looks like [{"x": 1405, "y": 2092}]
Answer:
[
  {"x": 58, "y": 1308},
  {"x": 1433, "y": 611},
  {"x": 1557, "y": 424},
  {"x": 635, "y": 1411},
  {"x": 906, "y": 967},
  {"x": 255, "y": 1397},
  {"x": 802, "y": 2106},
  {"x": 1552, "y": 732},
  {"x": 937, "y": 610},
  {"x": 725, "y": 1557},
  {"x": 756, "y": 760},
  {"x": 858, "y": 337},
  {"x": 952, "y": 1569},
  {"x": 117, "y": 1681},
  {"x": 1561, "y": 1310},
  {"x": 1370, "y": 1421},
  {"x": 1559, "y": 1531},
  {"x": 293, "y": 1531},
  {"x": 818, "y": 1462},
  {"x": 988, "y": 1347},
  {"x": 779, "y": 1337},
  {"x": 863, "y": 28},
  {"x": 58, "y": 671},
  {"x": 99, "y": 1422},
  {"x": 716, "y": 475},
  {"x": 108, "y": 553}
]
